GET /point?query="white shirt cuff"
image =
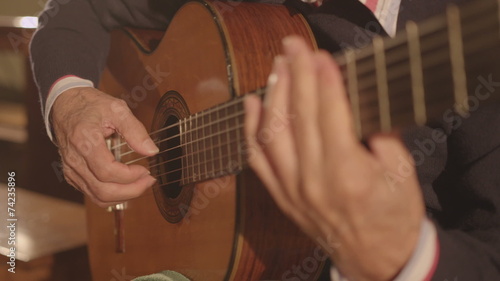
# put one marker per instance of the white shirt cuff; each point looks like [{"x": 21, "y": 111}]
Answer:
[
  {"x": 60, "y": 86},
  {"x": 423, "y": 261}
]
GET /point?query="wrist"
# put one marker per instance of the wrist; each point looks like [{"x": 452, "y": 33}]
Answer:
[
  {"x": 380, "y": 260},
  {"x": 62, "y": 85}
]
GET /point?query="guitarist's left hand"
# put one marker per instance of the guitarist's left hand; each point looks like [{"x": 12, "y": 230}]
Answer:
[{"x": 323, "y": 178}]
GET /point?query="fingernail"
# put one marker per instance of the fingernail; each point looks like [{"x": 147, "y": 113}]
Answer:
[
  {"x": 273, "y": 77},
  {"x": 150, "y": 146},
  {"x": 152, "y": 181}
]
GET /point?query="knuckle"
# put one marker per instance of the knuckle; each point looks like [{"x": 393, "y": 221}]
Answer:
[
  {"x": 356, "y": 192},
  {"x": 104, "y": 193},
  {"x": 120, "y": 106},
  {"x": 104, "y": 173},
  {"x": 101, "y": 195},
  {"x": 70, "y": 159},
  {"x": 313, "y": 191}
]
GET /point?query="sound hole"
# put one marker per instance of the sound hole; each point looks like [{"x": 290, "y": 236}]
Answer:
[
  {"x": 172, "y": 198},
  {"x": 171, "y": 156}
]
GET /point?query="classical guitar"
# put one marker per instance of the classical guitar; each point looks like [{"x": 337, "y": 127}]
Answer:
[{"x": 208, "y": 217}]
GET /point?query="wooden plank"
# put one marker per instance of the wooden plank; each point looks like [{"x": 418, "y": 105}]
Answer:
[{"x": 44, "y": 226}]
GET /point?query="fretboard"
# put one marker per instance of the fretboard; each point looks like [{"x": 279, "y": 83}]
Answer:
[{"x": 432, "y": 71}]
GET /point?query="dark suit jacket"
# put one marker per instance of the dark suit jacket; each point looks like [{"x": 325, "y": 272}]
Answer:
[{"x": 459, "y": 174}]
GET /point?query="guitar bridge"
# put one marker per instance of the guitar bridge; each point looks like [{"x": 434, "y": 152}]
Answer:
[{"x": 114, "y": 145}]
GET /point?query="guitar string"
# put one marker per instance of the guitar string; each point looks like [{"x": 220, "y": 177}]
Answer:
[{"x": 237, "y": 100}]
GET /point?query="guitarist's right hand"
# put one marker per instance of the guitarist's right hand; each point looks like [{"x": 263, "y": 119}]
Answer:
[{"x": 82, "y": 118}]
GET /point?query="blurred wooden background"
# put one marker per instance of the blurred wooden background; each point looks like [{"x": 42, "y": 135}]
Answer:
[{"x": 25, "y": 149}]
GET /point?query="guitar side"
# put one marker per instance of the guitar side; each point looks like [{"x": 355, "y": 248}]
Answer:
[{"x": 231, "y": 230}]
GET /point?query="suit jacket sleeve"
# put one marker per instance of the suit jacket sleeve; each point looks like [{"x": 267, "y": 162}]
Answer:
[{"x": 73, "y": 35}]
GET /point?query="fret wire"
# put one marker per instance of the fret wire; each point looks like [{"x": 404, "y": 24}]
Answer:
[
  {"x": 197, "y": 147},
  {"x": 185, "y": 148},
  {"x": 219, "y": 140},
  {"x": 383, "y": 88},
  {"x": 189, "y": 173},
  {"x": 182, "y": 141},
  {"x": 191, "y": 147},
  {"x": 238, "y": 138},
  {"x": 201, "y": 156},
  {"x": 188, "y": 148},
  {"x": 457, "y": 60},
  {"x": 417, "y": 75},
  {"x": 209, "y": 143},
  {"x": 350, "y": 59},
  {"x": 228, "y": 136},
  {"x": 194, "y": 142}
]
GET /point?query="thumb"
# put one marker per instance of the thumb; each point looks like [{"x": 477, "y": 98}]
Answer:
[{"x": 132, "y": 130}]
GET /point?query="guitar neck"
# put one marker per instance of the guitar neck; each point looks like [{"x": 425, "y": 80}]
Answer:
[{"x": 428, "y": 72}]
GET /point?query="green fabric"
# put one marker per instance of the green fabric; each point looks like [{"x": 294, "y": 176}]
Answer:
[{"x": 166, "y": 275}]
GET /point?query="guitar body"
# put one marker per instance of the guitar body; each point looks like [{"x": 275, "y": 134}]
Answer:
[{"x": 226, "y": 228}]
